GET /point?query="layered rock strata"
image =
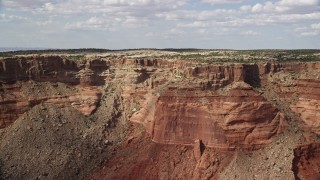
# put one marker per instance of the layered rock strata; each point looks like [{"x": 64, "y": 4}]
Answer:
[
  {"x": 17, "y": 94},
  {"x": 177, "y": 101},
  {"x": 306, "y": 162},
  {"x": 308, "y": 103}
]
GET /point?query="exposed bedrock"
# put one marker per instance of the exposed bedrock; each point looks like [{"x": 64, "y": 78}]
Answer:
[
  {"x": 308, "y": 103},
  {"x": 18, "y": 93},
  {"x": 51, "y": 68},
  {"x": 299, "y": 85},
  {"x": 86, "y": 101},
  {"x": 211, "y": 113},
  {"x": 218, "y": 105},
  {"x": 239, "y": 119},
  {"x": 177, "y": 101},
  {"x": 217, "y": 76},
  {"x": 306, "y": 162}
]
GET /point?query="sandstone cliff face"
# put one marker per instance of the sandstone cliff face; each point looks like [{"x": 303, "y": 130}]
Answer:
[
  {"x": 81, "y": 78},
  {"x": 86, "y": 101},
  {"x": 239, "y": 120},
  {"x": 52, "y": 69},
  {"x": 308, "y": 103},
  {"x": 180, "y": 104},
  {"x": 211, "y": 103},
  {"x": 298, "y": 84},
  {"x": 177, "y": 101},
  {"x": 306, "y": 162}
]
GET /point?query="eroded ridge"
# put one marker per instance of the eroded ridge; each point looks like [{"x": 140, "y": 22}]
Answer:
[{"x": 222, "y": 117}]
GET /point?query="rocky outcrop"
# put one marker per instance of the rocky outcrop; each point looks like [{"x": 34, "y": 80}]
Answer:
[
  {"x": 296, "y": 67},
  {"x": 81, "y": 76},
  {"x": 295, "y": 86},
  {"x": 241, "y": 119},
  {"x": 200, "y": 116},
  {"x": 52, "y": 69},
  {"x": 306, "y": 160},
  {"x": 178, "y": 102},
  {"x": 197, "y": 149},
  {"x": 217, "y": 76},
  {"x": 213, "y": 103},
  {"x": 86, "y": 101},
  {"x": 308, "y": 103},
  {"x": 300, "y": 88}
]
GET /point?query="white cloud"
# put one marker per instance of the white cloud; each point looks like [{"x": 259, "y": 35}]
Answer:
[
  {"x": 268, "y": 7},
  {"x": 44, "y": 23},
  {"x": 250, "y": 33},
  {"x": 285, "y": 6},
  {"x": 299, "y": 2},
  {"x": 221, "y": 1},
  {"x": 245, "y": 8},
  {"x": 169, "y": 18},
  {"x": 150, "y": 34},
  {"x": 111, "y": 13},
  {"x": 216, "y": 14},
  {"x": 108, "y": 23},
  {"x": 25, "y": 4},
  {"x": 135, "y": 13},
  {"x": 236, "y": 19},
  {"x": 94, "y": 6},
  {"x": 257, "y": 8},
  {"x": 10, "y": 18},
  {"x": 78, "y": 5},
  {"x": 48, "y": 7},
  {"x": 93, "y": 23},
  {"x": 309, "y": 33},
  {"x": 300, "y": 29},
  {"x": 315, "y": 26},
  {"x": 312, "y": 30},
  {"x": 173, "y": 33}
]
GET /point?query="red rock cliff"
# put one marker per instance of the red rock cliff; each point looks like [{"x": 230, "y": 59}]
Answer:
[
  {"x": 177, "y": 101},
  {"x": 241, "y": 119},
  {"x": 18, "y": 96}
]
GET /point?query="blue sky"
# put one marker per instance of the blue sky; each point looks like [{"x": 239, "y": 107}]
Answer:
[{"x": 118, "y": 24}]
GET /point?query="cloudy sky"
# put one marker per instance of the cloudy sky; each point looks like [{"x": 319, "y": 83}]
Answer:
[{"x": 117, "y": 24}]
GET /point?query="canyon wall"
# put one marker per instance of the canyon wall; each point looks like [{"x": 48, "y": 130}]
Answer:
[
  {"x": 308, "y": 103},
  {"x": 241, "y": 119},
  {"x": 306, "y": 164},
  {"x": 223, "y": 105},
  {"x": 71, "y": 83},
  {"x": 177, "y": 101},
  {"x": 52, "y": 69}
]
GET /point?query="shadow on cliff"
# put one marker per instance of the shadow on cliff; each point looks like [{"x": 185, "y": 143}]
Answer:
[
  {"x": 305, "y": 164},
  {"x": 1, "y": 174},
  {"x": 202, "y": 147},
  {"x": 252, "y": 75},
  {"x": 143, "y": 76}
]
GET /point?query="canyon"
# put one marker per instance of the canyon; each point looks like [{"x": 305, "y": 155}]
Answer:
[{"x": 123, "y": 117}]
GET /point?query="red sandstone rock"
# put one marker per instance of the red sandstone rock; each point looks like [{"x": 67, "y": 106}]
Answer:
[
  {"x": 50, "y": 68},
  {"x": 177, "y": 103},
  {"x": 197, "y": 149},
  {"x": 306, "y": 162},
  {"x": 225, "y": 122},
  {"x": 180, "y": 114},
  {"x": 308, "y": 103},
  {"x": 86, "y": 101}
]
